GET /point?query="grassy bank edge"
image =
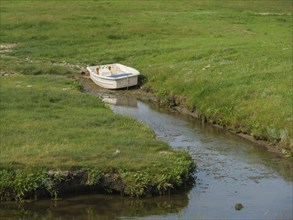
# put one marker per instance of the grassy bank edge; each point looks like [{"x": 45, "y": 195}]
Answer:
[
  {"x": 40, "y": 182},
  {"x": 177, "y": 103}
]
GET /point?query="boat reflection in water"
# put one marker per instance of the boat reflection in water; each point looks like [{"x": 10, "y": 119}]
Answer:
[{"x": 119, "y": 101}]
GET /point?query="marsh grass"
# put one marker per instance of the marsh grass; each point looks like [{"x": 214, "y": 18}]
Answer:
[
  {"x": 231, "y": 61},
  {"x": 45, "y": 120},
  {"x": 48, "y": 124}
]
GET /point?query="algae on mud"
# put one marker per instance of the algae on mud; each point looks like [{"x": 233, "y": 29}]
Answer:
[{"x": 53, "y": 135}]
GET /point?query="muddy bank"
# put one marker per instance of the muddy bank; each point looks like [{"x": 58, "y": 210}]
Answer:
[
  {"x": 55, "y": 184},
  {"x": 177, "y": 104}
]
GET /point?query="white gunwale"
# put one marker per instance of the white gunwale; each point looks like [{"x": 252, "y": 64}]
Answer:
[{"x": 113, "y": 76}]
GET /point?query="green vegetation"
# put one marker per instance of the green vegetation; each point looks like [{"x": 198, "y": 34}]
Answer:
[
  {"x": 229, "y": 61},
  {"x": 48, "y": 124}
]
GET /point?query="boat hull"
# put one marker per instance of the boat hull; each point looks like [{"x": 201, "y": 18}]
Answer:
[
  {"x": 114, "y": 83},
  {"x": 113, "y": 76}
]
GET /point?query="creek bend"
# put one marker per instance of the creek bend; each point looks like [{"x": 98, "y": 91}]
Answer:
[{"x": 230, "y": 170}]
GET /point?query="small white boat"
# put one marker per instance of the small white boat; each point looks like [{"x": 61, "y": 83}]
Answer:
[{"x": 113, "y": 76}]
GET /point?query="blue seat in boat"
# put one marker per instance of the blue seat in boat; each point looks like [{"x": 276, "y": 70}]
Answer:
[{"x": 120, "y": 75}]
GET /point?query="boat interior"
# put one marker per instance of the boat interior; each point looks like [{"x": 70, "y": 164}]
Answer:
[{"x": 109, "y": 70}]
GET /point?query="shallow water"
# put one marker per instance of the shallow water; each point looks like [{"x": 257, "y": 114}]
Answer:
[{"x": 230, "y": 170}]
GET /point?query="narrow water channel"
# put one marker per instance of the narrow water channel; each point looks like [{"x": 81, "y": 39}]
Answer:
[{"x": 230, "y": 170}]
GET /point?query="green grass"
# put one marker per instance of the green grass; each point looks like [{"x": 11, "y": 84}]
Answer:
[
  {"x": 46, "y": 122},
  {"x": 231, "y": 61},
  {"x": 46, "y": 119}
]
